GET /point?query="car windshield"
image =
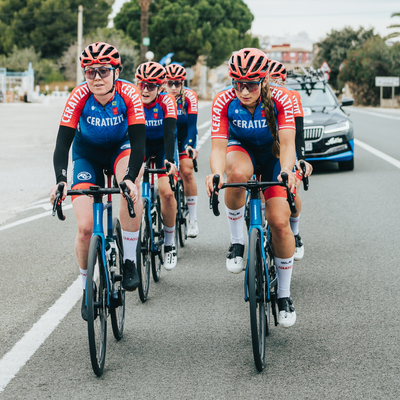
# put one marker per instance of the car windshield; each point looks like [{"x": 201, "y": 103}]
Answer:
[{"x": 318, "y": 96}]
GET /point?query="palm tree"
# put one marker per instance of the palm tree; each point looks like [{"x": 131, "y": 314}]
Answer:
[{"x": 394, "y": 34}]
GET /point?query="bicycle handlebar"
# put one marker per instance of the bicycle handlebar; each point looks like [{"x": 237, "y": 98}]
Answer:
[
  {"x": 306, "y": 182},
  {"x": 251, "y": 184},
  {"x": 93, "y": 190},
  {"x": 161, "y": 171}
]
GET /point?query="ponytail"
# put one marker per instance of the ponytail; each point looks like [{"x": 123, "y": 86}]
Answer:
[
  {"x": 270, "y": 117},
  {"x": 183, "y": 98}
]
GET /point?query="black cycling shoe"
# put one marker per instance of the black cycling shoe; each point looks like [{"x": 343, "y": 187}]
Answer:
[{"x": 130, "y": 276}]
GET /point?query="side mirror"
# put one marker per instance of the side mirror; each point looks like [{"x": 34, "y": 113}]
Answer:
[{"x": 346, "y": 101}]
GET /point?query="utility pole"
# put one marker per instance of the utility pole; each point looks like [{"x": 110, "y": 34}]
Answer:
[
  {"x": 79, "y": 49},
  {"x": 144, "y": 20}
]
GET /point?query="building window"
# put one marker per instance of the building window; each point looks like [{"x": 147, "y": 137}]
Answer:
[{"x": 292, "y": 54}]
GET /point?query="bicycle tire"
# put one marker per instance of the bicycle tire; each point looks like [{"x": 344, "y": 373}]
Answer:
[
  {"x": 271, "y": 274},
  {"x": 157, "y": 258},
  {"x": 96, "y": 289},
  {"x": 182, "y": 216},
  {"x": 118, "y": 313},
  {"x": 257, "y": 299},
  {"x": 143, "y": 253}
]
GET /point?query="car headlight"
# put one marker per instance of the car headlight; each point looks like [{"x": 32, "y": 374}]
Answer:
[{"x": 339, "y": 127}]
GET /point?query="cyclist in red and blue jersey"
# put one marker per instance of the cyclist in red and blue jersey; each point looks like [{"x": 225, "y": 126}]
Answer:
[
  {"x": 105, "y": 123},
  {"x": 161, "y": 115},
  {"x": 277, "y": 75},
  {"x": 187, "y": 104},
  {"x": 255, "y": 130}
]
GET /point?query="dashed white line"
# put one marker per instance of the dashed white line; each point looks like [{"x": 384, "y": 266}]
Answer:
[
  {"x": 378, "y": 153},
  {"x": 376, "y": 114}
]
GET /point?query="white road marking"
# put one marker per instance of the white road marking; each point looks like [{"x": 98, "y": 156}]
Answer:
[
  {"x": 378, "y": 153},
  {"x": 205, "y": 125},
  {"x": 204, "y": 137},
  {"x": 23, "y": 350},
  {"x": 374, "y": 113}
]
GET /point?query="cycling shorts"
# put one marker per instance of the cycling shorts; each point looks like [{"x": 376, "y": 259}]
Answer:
[
  {"x": 88, "y": 166},
  {"x": 264, "y": 164}
]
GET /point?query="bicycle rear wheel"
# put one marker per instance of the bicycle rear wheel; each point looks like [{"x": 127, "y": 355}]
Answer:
[
  {"x": 157, "y": 259},
  {"x": 117, "y": 310},
  {"x": 143, "y": 253},
  {"x": 96, "y": 293},
  {"x": 257, "y": 299}
]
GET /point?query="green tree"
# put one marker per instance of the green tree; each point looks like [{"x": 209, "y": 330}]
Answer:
[
  {"x": 50, "y": 26},
  {"x": 190, "y": 28},
  {"x": 334, "y": 48},
  {"x": 373, "y": 58},
  {"x": 394, "y": 34}
]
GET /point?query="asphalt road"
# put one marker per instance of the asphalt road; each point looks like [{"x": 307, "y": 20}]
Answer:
[{"x": 191, "y": 340}]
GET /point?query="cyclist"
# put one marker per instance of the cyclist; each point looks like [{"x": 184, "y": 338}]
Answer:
[
  {"x": 247, "y": 122},
  {"x": 277, "y": 75},
  {"x": 105, "y": 123},
  {"x": 187, "y": 104},
  {"x": 161, "y": 114}
]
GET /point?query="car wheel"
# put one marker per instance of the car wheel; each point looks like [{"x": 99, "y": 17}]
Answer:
[{"x": 346, "y": 165}]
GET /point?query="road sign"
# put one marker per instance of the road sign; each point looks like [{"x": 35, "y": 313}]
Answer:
[
  {"x": 325, "y": 67},
  {"x": 387, "y": 81}
]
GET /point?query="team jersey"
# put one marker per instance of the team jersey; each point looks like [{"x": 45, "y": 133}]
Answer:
[
  {"x": 230, "y": 119},
  {"x": 297, "y": 107},
  {"x": 163, "y": 107},
  {"x": 103, "y": 126}
]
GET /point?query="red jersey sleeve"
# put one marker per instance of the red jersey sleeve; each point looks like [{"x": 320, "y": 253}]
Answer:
[
  {"x": 297, "y": 107},
  {"x": 75, "y": 103},
  {"x": 168, "y": 104},
  {"x": 284, "y": 105},
  {"x": 220, "y": 122},
  {"x": 191, "y": 99},
  {"x": 133, "y": 101}
]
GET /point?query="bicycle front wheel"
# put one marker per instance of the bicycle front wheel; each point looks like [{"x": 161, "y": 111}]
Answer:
[
  {"x": 257, "y": 299},
  {"x": 96, "y": 293},
  {"x": 117, "y": 309},
  {"x": 182, "y": 215},
  {"x": 143, "y": 253},
  {"x": 158, "y": 247}
]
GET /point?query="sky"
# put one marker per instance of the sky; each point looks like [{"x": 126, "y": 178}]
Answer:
[{"x": 317, "y": 17}]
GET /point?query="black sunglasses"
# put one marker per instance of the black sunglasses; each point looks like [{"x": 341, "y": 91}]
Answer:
[
  {"x": 177, "y": 84},
  {"x": 151, "y": 87},
  {"x": 103, "y": 72}
]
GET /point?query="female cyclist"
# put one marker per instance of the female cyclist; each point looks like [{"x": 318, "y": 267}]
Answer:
[
  {"x": 277, "y": 75},
  {"x": 186, "y": 100},
  {"x": 105, "y": 123},
  {"x": 161, "y": 115},
  {"x": 250, "y": 127}
]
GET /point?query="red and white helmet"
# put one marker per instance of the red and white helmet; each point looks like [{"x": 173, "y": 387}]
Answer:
[
  {"x": 176, "y": 72},
  {"x": 151, "y": 72},
  {"x": 100, "y": 53},
  {"x": 277, "y": 71},
  {"x": 248, "y": 63}
]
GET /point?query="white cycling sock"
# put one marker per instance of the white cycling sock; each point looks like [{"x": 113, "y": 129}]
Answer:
[
  {"x": 83, "y": 276},
  {"x": 169, "y": 235},
  {"x": 294, "y": 224},
  {"x": 192, "y": 205},
  {"x": 130, "y": 244},
  {"x": 235, "y": 218},
  {"x": 285, "y": 268}
]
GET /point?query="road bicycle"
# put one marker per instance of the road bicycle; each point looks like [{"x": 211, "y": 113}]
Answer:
[
  {"x": 151, "y": 237},
  {"x": 104, "y": 292},
  {"x": 261, "y": 280}
]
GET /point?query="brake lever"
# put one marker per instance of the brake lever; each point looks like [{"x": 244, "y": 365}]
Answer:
[
  {"x": 170, "y": 177},
  {"x": 306, "y": 182},
  {"x": 289, "y": 195},
  {"x": 125, "y": 192},
  {"x": 214, "y": 196},
  {"x": 57, "y": 205}
]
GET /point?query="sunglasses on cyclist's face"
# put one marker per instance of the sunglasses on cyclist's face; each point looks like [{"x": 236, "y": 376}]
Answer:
[
  {"x": 251, "y": 86},
  {"x": 103, "y": 72},
  {"x": 151, "y": 87},
  {"x": 177, "y": 84}
]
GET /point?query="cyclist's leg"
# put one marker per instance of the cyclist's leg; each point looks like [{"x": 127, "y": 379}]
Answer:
[
  {"x": 130, "y": 226},
  {"x": 278, "y": 214},
  {"x": 84, "y": 176},
  {"x": 239, "y": 168}
]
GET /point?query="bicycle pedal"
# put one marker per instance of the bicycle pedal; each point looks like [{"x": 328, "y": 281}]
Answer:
[{"x": 116, "y": 299}]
